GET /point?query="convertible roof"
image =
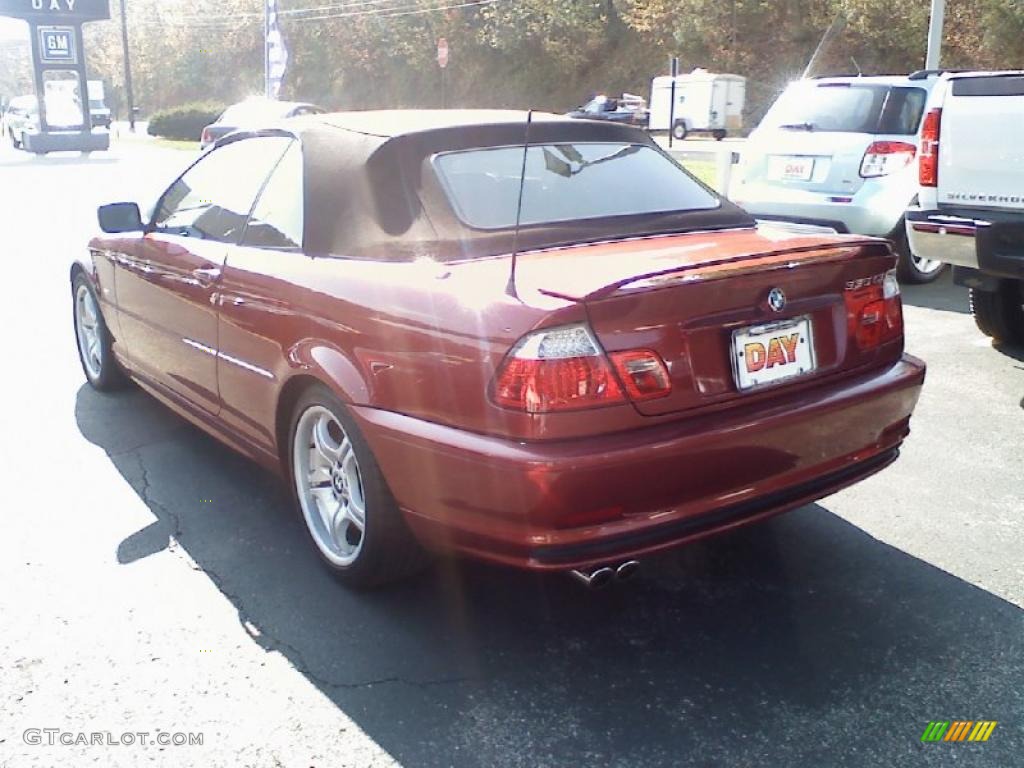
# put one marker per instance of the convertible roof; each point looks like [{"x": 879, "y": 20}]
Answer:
[
  {"x": 370, "y": 191},
  {"x": 399, "y": 122}
]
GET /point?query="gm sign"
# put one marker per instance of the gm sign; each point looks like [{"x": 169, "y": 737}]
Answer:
[
  {"x": 57, "y": 45},
  {"x": 56, "y": 11}
]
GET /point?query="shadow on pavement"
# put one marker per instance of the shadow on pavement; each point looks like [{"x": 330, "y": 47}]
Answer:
[
  {"x": 803, "y": 641},
  {"x": 1010, "y": 350},
  {"x": 942, "y": 295}
]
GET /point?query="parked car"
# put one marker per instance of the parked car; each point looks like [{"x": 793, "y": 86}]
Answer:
[
  {"x": 628, "y": 109},
  {"x": 970, "y": 203},
  {"x": 252, "y": 112},
  {"x": 567, "y": 367},
  {"x": 842, "y": 152},
  {"x": 22, "y": 116}
]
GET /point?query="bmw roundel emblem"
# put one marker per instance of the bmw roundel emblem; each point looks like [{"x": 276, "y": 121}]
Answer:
[{"x": 776, "y": 300}]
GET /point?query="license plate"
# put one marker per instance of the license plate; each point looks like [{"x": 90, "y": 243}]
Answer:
[
  {"x": 791, "y": 168},
  {"x": 767, "y": 354}
]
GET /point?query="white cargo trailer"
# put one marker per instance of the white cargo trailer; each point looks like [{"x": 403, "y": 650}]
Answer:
[{"x": 705, "y": 103}]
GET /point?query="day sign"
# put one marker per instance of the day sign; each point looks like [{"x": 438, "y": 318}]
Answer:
[{"x": 56, "y": 10}]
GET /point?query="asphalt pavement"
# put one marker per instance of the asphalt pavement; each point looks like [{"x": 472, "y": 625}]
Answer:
[{"x": 152, "y": 581}]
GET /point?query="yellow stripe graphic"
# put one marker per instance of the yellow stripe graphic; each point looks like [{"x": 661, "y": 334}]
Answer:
[{"x": 959, "y": 730}]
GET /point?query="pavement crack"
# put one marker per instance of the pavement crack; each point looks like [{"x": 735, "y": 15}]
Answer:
[{"x": 162, "y": 512}]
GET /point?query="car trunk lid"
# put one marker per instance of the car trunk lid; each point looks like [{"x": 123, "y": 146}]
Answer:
[{"x": 687, "y": 297}]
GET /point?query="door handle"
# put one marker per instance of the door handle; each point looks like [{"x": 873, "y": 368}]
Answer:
[{"x": 206, "y": 276}]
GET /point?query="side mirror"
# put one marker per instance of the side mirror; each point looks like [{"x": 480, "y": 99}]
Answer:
[{"x": 120, "y": 217}]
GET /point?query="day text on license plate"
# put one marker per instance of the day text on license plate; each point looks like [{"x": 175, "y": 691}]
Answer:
[
  {"x": 792, "y": 168},
  {"x": 765, "y": 354}
]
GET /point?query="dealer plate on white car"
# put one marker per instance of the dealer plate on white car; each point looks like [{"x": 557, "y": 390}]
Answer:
[
  {"x": 790, "y": 168},
  {"x": 770, "y": 353}
]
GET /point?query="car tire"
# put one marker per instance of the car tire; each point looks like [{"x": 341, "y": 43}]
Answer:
[
  {"x": 679, "y": 130},
  {"x": 93, "y": 339},
  {"x": 999, "y": 314},
  {"x": 352, "y": 520},
  {"x": 910, "y": 268},
  {"x": 719, "y": 135},
  {"x": 15, "y": 142}
]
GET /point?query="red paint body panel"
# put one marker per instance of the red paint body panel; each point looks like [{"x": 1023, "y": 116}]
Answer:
[{"x": 512, "y": 502}]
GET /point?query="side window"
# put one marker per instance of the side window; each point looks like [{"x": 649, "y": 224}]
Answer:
[
  {"x": 212, "y": 199},
  {"x": 276, "y": 220},
  {"x": 902, "y": 111}
]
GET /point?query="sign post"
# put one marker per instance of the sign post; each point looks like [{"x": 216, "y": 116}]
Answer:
[
  {"x": 127, "y": 68},
  {"x": 673, "y": 66},
  {"x": 442, "y": 62},
  {"x": 55, "y": 30}
]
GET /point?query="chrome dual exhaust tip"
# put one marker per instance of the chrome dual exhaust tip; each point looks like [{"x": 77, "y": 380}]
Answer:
[{"x": 602, "y": 576}]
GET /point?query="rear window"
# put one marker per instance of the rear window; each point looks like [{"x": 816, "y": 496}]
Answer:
[
  {"x": 828, "y": 107},
  {"x": 565, "y": 182}
]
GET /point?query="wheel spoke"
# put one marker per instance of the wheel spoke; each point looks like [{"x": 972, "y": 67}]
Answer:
[
  {"x": 339, "y": 528},
  {"x": 319, "y": 476},
  {"x": 354, "y": 486},
  {"x": 356, "y": 510},
  {"x": 90, "y": 310},
  {"x": 323, "y": 442},
  {"x": 327, "y": 507}
]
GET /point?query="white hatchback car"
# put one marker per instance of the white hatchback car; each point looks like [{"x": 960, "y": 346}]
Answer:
[{"x": 841, "y": 152}]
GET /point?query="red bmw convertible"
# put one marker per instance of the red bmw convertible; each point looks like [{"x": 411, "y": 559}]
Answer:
[{"x": 538, "y": 342}]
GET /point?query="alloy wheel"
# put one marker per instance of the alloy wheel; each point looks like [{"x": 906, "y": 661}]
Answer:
[
  {"x": 329, "y": 485},
  {"x": 926, "y": 266},
  {"x": 87, "y": 329}
]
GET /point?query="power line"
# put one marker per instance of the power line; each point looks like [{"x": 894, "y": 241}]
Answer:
[
  {"x": 282, "y": 11},
  {"x": 388, "y": 13},
  {"x": 324, "y": 11}
]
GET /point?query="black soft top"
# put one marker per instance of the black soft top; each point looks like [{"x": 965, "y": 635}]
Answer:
[{"x": 370, "y": 192}]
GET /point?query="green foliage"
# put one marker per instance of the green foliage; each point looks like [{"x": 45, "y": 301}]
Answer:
[
  {"x": 546, "y": 54},
  {"x": 185, "y": 122}
]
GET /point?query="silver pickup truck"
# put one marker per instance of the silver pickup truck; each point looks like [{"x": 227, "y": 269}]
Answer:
[{"x": 970, "y": 209}]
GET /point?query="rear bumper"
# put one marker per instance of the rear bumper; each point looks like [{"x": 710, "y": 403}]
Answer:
[
  {"x": 874, "y": 209},
  {"x": 989, "y": 241},
  {"x": 565, "y": 504},
  {"x": 943, "y": 237}
]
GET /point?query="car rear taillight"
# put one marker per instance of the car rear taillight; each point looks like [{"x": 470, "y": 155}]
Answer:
[
  {"x": 874, "y": 311},
  {"x": 885, "y": 157},
  {"x": 207, "y": 136},
  {"x": 643, "y": 373},
  {"x": 928, "y": 166},
  {"x": 562, "y": 369}
]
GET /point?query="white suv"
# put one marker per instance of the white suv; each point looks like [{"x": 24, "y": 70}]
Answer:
[
  {"x": 970, "y": 208},
  {"x": 841, "y": 152}
]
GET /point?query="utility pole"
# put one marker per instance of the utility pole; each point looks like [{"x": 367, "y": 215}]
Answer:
[
  {"x": 266, "y": 49},
  {"x": 127, "y": 68},
  {"x": 935, "y": 34}
]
